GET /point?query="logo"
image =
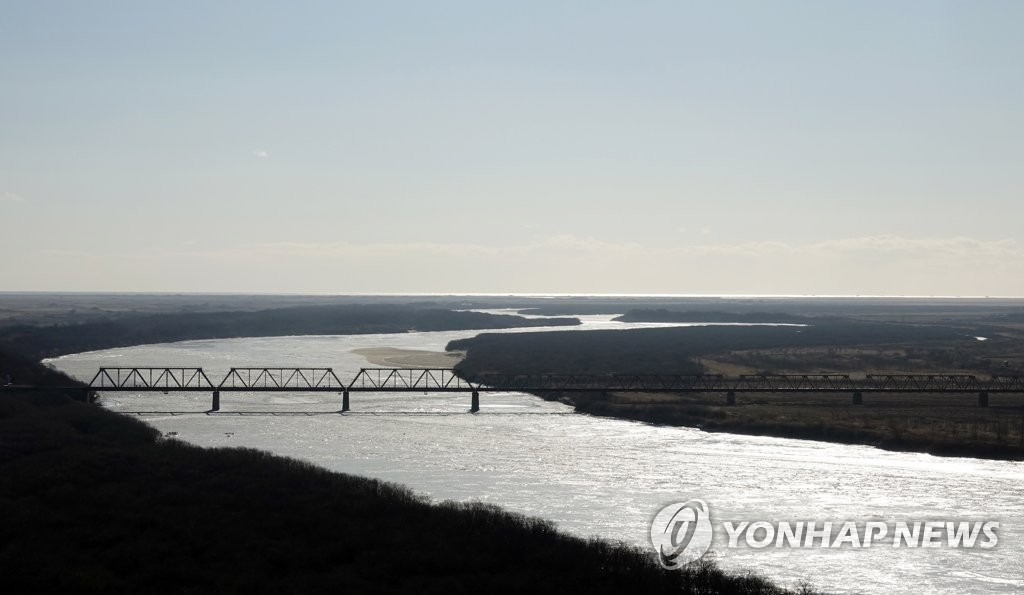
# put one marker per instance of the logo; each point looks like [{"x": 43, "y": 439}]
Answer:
[
  {"x": 853, "y": 534},
  {"x": 681, "y": 533}
]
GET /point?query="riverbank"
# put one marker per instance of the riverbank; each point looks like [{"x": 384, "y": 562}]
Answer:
[{"x": 941, "y": 425}]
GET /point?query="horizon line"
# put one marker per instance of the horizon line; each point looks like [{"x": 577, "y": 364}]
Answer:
[{"x": 513, "y": 295}]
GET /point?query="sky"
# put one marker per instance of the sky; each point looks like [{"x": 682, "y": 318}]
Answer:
[{"x": 670, "y": 147}]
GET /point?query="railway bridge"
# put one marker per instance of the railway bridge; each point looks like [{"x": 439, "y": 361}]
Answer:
[{"x": 448, "y": 380}]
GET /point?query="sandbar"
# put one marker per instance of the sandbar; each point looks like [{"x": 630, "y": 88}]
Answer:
[{"x": 418, "y": 358}]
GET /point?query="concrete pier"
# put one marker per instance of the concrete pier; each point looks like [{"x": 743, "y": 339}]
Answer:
[
  {"x": 983, "y": 399},
  {"x": 215, "y": 406},
  {"x": 858, "y": 398},
  {"x": 730, "y": 398},
  {"x": 344, "y": 401},
  {"x": 475, "y": 405}
]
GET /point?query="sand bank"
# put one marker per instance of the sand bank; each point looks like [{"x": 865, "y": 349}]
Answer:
[{"x": 410, "y": 358}]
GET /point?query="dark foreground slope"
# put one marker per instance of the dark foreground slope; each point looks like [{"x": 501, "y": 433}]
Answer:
[{"x": 92, "y": 501}]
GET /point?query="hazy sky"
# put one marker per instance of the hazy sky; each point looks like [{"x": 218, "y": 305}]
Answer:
[{"x": 780, "y": 147}]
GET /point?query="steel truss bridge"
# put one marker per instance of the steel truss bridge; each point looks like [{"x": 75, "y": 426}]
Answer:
[{"x": 447, "y": 380}]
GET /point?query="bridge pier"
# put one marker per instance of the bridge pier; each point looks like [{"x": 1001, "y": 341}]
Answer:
[
  {"x": 215, "y": 406},
  {"x": 730, "y": 398},
  {"x": 858, "y": 398},
  {"x": 344, "y": 401},
  {"x": 475, "y": 405},
  {"x": 983, "y": 399}
]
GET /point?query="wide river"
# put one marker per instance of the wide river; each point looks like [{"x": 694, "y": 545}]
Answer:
[{"x": 596, "y": 476}]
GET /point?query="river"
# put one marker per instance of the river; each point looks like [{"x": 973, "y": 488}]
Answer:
[{"x": 596, "y": 476}]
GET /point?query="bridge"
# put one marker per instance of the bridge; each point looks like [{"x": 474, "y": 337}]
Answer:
[{"x": 447, "y": 380}]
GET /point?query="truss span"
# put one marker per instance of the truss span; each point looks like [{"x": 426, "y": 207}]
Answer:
[
  {"x": 409, "y": 380},
  {"x": 281, "y": 379},
  {"x": 164, "y": 379}
]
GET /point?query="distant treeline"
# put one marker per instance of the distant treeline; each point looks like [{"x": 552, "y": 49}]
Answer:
[
  {"x": 876, "y": 308},
  {"x": 664, "y": 315},
  {"x": 37, "y": 342},
  {"x": 670, "y": 350}
]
